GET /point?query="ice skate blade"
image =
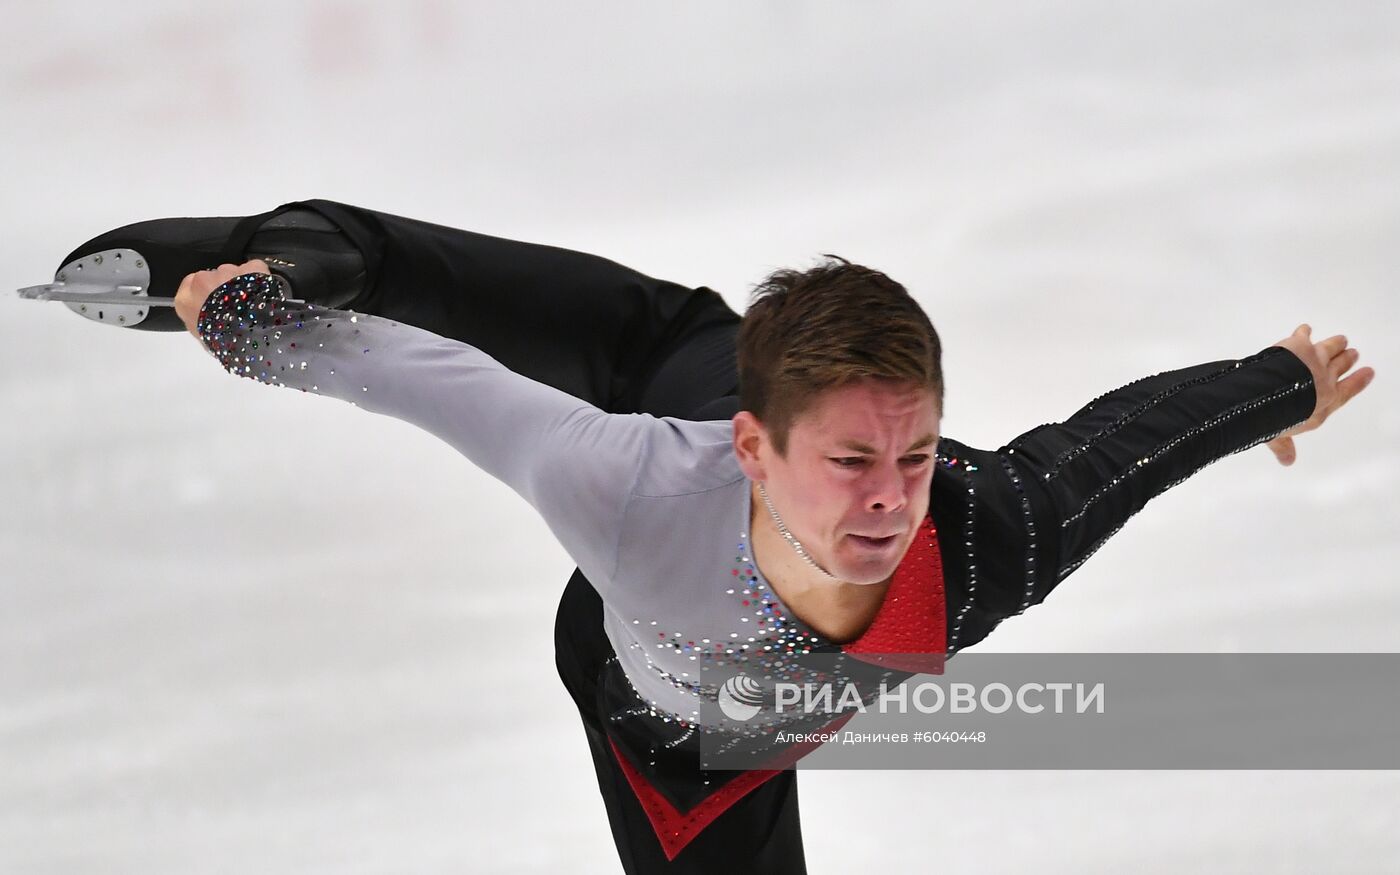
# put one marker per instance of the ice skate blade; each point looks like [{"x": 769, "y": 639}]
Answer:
[
  {"x": 109, "y": 287},
  {"x": 91, "y": 293}
]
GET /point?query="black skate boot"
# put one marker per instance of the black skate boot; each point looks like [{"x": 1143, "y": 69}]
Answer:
[{"x": 128, "y": 276}]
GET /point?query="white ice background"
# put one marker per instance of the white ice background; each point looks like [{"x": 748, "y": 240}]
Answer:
[{"x": 247, "y": 630}]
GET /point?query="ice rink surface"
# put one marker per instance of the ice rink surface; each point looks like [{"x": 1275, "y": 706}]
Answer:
[{"x": 245, "y": 630}]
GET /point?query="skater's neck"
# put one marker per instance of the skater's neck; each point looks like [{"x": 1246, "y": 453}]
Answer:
[{"x": 838, "y": 611}]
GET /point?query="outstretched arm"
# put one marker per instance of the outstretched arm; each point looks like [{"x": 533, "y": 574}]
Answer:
[
  {"x": 1033, "y": 511},
  {"x": 574, "y": 463}
]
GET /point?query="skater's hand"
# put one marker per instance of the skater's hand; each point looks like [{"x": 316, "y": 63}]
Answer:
[
  {"x": 1328, "y": 360},
  {"x": 196, "y": 288}
]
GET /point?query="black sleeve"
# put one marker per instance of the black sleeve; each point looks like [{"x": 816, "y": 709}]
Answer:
[{"x": 1015, "y": 522}]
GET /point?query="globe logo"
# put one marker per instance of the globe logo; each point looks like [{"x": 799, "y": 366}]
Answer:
[{"x": 740, "y": 697}]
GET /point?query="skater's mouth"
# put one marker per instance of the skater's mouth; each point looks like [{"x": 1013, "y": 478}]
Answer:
[{"x": 875, "y": 542}]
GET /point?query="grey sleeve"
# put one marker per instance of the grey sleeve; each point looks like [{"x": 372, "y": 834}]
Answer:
[{"x": 575, "y": 464}]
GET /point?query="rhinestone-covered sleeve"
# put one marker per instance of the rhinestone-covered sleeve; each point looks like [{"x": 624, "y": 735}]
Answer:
[
  {"x": 1104, "y": 463},
  {"x": 1033, "y": 511},
  {"x": 574, "y": 463}
]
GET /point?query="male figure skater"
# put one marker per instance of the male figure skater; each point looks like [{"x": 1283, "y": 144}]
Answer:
[{"x": 822, "y": 511}]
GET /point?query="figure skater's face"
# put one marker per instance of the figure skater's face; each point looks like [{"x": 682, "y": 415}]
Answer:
[{"x": 854, "y": 485}]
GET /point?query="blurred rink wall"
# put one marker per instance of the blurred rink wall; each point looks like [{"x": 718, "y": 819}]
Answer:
[{"x": 257, "y": 631}]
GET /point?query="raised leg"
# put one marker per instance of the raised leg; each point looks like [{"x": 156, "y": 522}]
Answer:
[{"x": 579, "y": 322}]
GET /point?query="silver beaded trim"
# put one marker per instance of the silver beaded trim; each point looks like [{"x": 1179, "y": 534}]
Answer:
[
  {"x": 1027, "y": 517},
  {"x": 969, "y": 543},
  {"x": 1146, "y": 405},
  {"x": 1064, "y": 572},
  {"x": 1167, "y": 446}
]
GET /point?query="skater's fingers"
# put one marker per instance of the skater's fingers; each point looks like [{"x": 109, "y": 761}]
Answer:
[
  {"x": 1284, "y": 450},
  {"x": 1352, "y": 386},
  {"x": 1340, "y": 363},
  {"x": 184, "y": 289},
  {"x": 195, "y": 288},
  {"x": 183, "y": 296},
  {"x": 1332, "y": 346}
]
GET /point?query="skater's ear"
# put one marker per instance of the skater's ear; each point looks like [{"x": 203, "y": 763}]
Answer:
[{"x": 752, "y": 445}]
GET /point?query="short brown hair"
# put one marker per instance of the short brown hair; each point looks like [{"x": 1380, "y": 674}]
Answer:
[{"x": 809, "y": 331}]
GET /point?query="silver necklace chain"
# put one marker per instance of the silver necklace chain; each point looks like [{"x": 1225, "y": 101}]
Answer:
[{"x": 787, "y": 535}]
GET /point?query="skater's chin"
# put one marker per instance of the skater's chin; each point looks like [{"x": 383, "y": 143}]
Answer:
[{"x": 865, "y": 559}]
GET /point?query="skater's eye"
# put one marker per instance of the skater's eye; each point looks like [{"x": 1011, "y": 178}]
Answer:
[{"x": 913, "y": 461}]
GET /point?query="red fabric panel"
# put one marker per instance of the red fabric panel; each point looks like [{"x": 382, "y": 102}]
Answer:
[{"x": 913, "y": 618}]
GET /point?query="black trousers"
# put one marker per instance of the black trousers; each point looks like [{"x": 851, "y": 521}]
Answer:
[{"x": 626, "y": 343}]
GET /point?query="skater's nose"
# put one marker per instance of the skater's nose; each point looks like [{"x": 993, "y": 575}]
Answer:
[{"x": 887, "y": 488}]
